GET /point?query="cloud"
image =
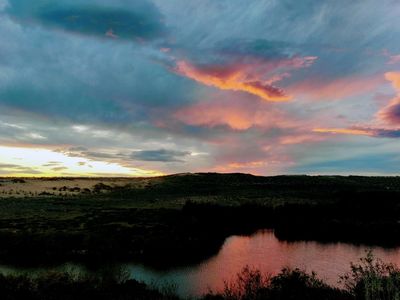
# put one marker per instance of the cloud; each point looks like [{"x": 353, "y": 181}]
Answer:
[
  {"x": 373, "y": 132},
  {"x": 234, "y": 113},
  {"x": 77, "y": 149},
  {"x": 391, "y": 113},
  {"x": 256, "y": 48},
  {"x": 52, "y": 164},
  {"x": 337, "y": 88},
  {"x": 7, "y": 169},
  {"x": 365, "y": 164},
  {"x": 69, "y": 73},
  {"x": 58, "y": 169},
  {"x": 161, "y": 155},
  {"x": 139, "y": 20},
  {"x": 394, "y": 59},
  {"x": 394, "y": 77},
  {"x": 247, "y": 76},
  {"x": 343, "y": 131},
  {"x": 3, "y": 4},
  {"x": 98, "y": 154}
]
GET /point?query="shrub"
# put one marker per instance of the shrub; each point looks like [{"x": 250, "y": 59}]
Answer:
[
  {"x": 372, "y": 279},
  {"x": 289, "y": 284},
  {"x": 249, "y": 284}
]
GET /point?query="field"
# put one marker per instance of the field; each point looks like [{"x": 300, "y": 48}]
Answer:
[{"x": 186, "y": 217}]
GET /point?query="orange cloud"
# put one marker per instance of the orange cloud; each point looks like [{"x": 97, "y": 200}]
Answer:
[
  {"x": 234, "y": 81},
  {"x": 373, "y": 132},
  {"x": 344, "y": 131},
  {"x": 246, "y": 77},
  {"x": 394, "y": 77}
]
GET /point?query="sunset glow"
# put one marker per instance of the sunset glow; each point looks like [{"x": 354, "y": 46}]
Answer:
[
  {"x": 234, "y": 81},
  {"x": 343, "y": 131},
  {"x": 29, "y": 162}
]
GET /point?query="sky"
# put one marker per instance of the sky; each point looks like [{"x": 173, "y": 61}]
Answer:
[{"x": 152, "y": 87}]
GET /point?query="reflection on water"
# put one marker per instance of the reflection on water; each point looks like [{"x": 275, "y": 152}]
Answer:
[
  {"x": 261, "y": 250},
  {"x": 265, "y": 252}
]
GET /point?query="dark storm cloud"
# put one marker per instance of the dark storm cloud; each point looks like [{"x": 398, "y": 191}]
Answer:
[
  {"x": 140, "y": 19},
  {"x": 162, "y": 155}
]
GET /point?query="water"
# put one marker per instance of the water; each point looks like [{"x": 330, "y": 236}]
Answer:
[
  {"x": 266, "y": 253},
  {"x": 262, "y": 251}
]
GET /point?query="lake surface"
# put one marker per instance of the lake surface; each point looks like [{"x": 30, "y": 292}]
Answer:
[{"x": 262, "y": 251}]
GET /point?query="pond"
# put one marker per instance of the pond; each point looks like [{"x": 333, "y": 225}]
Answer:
[{"x": 262, "y": 251}]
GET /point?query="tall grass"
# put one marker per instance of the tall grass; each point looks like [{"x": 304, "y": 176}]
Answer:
[{"x": 373, "y": 279}]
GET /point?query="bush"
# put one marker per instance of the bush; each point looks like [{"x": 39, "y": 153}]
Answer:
[
  {"x": 289, "y": 284},
  {"x": 372, "y": 279},
  {"x": 249, "y": 284}
]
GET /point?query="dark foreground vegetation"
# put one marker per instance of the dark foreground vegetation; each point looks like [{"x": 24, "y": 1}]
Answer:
[
  {"x": 370, "y": 279},
  {"x": 185, "y": 218}
]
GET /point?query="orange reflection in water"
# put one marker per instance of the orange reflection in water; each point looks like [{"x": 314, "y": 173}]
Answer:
[{"x": 265, "y": 252}]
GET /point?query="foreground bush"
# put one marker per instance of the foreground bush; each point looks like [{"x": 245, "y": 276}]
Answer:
[
  {"x": 372, "y": 279},
  {"x": 289, "y": 284},
  {"x": 64, "y": 286}
]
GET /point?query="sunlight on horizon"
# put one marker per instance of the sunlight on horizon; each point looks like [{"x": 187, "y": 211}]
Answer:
[{"x": 39, "y": 162}]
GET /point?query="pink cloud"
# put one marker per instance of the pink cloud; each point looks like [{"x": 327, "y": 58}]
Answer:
[
  {"x": 252, "y": 76},
  {"x": 317, "y": 89},
  {"x": 238, "y": 115},
  {"x": 393, "y": 58},
  {"x": 391, "y": 113},
  {"x": 299, "y": 138}
]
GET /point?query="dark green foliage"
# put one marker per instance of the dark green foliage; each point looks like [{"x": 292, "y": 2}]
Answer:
[
  {"x": 64, "y": 286},
  {"x": 289, "y": 284},
  {"x": 372, "y": 279}
]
